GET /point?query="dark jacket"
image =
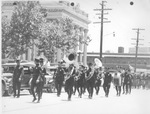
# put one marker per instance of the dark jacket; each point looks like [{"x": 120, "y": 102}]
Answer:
[
  {"x": 127, "y": 78},
  {"x": 17, "y": 73},
  {"x": 59, "y": 74},
  {"x": 107, "y": 78},
  {"x": 36, "y": 72}
]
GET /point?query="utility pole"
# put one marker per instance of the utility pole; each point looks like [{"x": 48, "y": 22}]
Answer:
[
  {"x": 137, "y": 45},
  {"x": 101, "y": 31}
]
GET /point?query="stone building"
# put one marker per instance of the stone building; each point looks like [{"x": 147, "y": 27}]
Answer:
[{"x": 57, "y": 9}]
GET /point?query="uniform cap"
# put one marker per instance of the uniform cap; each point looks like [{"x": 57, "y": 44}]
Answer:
[
  {"x": 37, "y": 60},
  {"x": 41, "y": 59}
]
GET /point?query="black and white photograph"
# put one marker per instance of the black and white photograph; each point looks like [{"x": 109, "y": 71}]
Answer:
[{"x": 75, "y": 57}]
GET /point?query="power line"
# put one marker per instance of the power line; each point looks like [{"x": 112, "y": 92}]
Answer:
[
  {"x": 137, "y": 44},
  {"x": 102, "y": 21}
]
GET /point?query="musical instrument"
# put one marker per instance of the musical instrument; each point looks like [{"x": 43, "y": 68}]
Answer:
[
  {"x": 90, "y": 75},
  {"x": 69, "y": 59},
  {"x": 69, "y": 74},
  {"x": 98, "y": 63},
  {"x": 99, "y": 75},
  {"x": 78, "y": 76}
]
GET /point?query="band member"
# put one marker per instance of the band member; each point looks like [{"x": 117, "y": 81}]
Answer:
[
  {"x": 80, "y": 78},
  {"x": 36, "y": 81},
  {"x": 107, "y": 83},
  {"x": 75, "y": 81},
  {"x": 127, "y": 82},
  {"x": 59, "y": 78},
  {"x": 117, "y": 82},
  {"x": 17, "y": 76},
  {"x": 69, "y": 81},
  {"x": 84, "y": 81},
  {"x": 90, "y": 80},
  {"x": 43, "y": 73},
  {"x": 98, "y": 80}
]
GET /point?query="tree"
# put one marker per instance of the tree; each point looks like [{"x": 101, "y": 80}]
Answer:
[
  {"x": 24, "y": 25},
  {"x": 58, "y": 34},
  {"x": 5, "y": 39}
]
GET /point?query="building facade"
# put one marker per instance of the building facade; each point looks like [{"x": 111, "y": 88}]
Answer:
[
  {"x": 141, "y": 50},
  {"x": 120, "y": 49},
  {"x": 123, "y": 60},
  {"x": 57, "y": 9}
]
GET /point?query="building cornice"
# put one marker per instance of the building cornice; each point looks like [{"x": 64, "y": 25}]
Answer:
[{"x": 65, "y": 8}]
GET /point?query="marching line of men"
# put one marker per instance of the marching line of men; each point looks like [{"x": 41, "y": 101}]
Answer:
[
  {"x": 90, "y": 78},
  {"x": 73, "y": 79}
]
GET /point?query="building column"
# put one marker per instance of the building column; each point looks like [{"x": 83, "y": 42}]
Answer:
[
  {"x": 81, "y": 45},
  {"x": 85, "y": 48},
  {"x": 58, "y": 55},
  {"x": 29, "y": 54}
]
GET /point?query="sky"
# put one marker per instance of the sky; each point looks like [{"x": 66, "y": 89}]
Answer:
[{"x": 124, "y": 17}]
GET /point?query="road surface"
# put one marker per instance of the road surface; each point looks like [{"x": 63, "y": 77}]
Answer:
[{"x": 138, "y": 102}]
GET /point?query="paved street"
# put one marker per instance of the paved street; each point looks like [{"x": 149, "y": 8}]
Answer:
[{"x": 136, "y": 103}]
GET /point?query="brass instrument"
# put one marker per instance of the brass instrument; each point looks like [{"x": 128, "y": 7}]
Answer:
[
  {"x": 98, "y": 63},
  {"x": 69, "y": 74},
  {"x": 99, "y": 75},
  {"x": 90, "y": 75},
  {"x": 78, "y": 76},
  {"x": 69, "y": 59}
]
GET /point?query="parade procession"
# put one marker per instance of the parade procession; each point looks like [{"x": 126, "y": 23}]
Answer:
[
  {"x": 76, "y": 78},
  {"x": 60, "y": 54}
]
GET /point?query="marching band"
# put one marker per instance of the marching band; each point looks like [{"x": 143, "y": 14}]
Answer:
[{"x": 82, "y": 79}]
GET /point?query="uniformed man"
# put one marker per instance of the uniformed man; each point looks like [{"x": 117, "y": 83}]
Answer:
[
  {"x": 90, "y": 80},
  {"x": 98, "y": 78},
  {"x": 59, "y": 78},
  {"x": 69, "y": 81},
  {"x": 17, "y": 76},
  {"x": 35, "y": 80},
  {"x": 43, "y": 71},
  {"x": 117, "y": 82},
  {"x": 80, "y": 80},
  {"x": 107, "y": 83},
  {"x": 127, "y": 82}
]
